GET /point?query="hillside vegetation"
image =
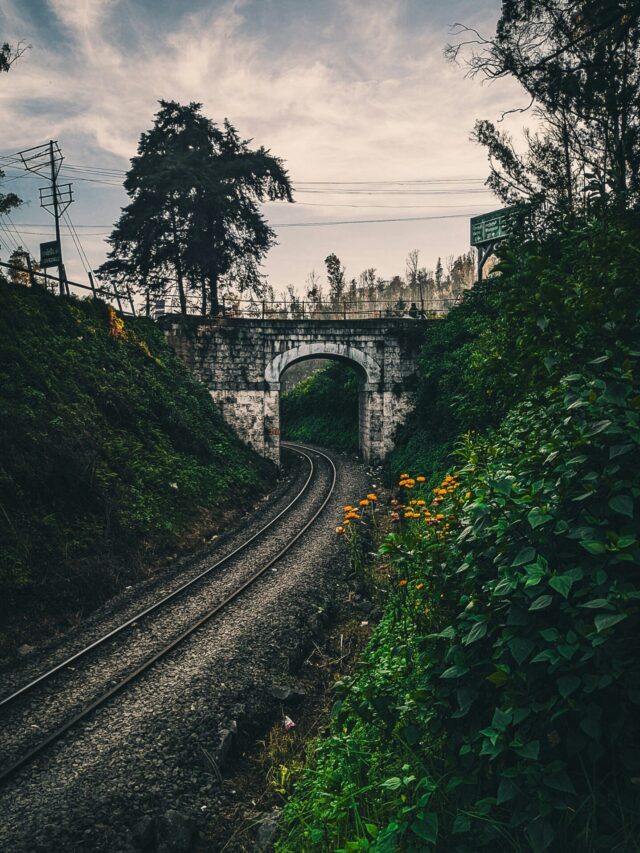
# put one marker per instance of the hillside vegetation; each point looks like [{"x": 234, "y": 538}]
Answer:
[
  {"x": 323, "y": 408},
  {"x": 111, "y": 453},
  {"x": 498, "y": 704}
]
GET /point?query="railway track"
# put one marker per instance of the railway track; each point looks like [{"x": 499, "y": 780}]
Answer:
[{"x": 169, "y": 621}]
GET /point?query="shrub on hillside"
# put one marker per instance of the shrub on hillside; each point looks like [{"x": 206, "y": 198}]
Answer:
[
  {"x": 549, "y": 306},
  {"x": 499, "y": 704},
  {"x": 110, "y": 450}
]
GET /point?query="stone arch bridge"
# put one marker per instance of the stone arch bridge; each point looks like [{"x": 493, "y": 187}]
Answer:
[{"x": 241, "y": 360}]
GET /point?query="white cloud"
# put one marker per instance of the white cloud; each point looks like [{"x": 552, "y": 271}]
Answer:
[{"x": 361, "y": 98}]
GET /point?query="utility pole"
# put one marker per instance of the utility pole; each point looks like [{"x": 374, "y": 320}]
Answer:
[
  {"x": 56, "y": 215},
  {"x": 54, "y": 199}
]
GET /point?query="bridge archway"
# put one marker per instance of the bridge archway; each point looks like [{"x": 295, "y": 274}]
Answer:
[
  {"x": 240, "y": 361},
  {"x": 370, "y": 401}
]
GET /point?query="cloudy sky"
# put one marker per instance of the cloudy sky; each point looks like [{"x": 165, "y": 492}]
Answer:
[{"x": 345, "y": 91}]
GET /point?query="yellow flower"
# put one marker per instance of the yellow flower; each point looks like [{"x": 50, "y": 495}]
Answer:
[
  {"x": 346, "y": 522},
  {"x": 420, "y": 479},
  {"x": 468, "y": 495},
  {"x": 420, "y": 503},
  {"x": 404, "y": 476},
  {"x": 372, "y": 497},
  {"x": 420, "y": 586}
]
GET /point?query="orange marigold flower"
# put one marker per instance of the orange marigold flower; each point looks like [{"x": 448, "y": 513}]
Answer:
[
  {"x": 372, "y": 497},
  {"x": 404, "y": 476},
  {"x": 364, "y": 502},
  {"x": 419, "y": 586},
  {"x": 402, "y": 583},
  {"x": 347, "y": 508},
  {"x": 420, "y": 503},
  {"x": 420, "y": 479},
  {"x": 339, "y": 530}
]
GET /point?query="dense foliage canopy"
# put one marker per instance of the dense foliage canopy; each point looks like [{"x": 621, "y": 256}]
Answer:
[
  {"x": 579, "y": 65},
  {"x": 193, "y": 223}
]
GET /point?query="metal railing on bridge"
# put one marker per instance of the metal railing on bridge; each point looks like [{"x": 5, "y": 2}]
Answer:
[
  {"x": 256, "y": 309},
  {"x": 344, "y": 309}
]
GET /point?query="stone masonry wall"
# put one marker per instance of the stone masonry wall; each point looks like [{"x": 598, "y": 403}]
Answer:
[{"x": 241, "y": 360}]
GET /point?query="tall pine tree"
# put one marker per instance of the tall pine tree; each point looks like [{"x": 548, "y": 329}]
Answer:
[{"x": 194, "y": 220}]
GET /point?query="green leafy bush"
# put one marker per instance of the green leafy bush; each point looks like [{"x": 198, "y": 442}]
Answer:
[
  {"x": 505, "y": 711},
  {"x": 498, "y": 704},
  {"x": 323, "y": 408},
  {"x": 547, "y": 307}
]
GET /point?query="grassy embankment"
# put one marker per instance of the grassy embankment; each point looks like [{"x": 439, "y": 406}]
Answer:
[
  {"x": 323, "y": 408},
  {"x": 111, "y": 455},
  {"x": 498, "y": 704}
]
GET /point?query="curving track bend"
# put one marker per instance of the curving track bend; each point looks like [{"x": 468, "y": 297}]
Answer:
[{"x": 44, "y": 708}]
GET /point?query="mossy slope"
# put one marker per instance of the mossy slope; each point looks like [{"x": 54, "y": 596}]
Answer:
[{"x": 111, "y": 452}]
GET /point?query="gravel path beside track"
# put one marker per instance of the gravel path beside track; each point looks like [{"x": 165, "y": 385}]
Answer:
[{"x": 102, "y": 787}]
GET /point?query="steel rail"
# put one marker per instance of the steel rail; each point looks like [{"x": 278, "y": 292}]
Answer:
[
  {"x": 18, "y": 764},
  {"x": 142, "y": 613}
]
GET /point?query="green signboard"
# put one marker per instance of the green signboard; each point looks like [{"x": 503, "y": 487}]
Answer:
[
  {"x": 50, "y": 254},
  {"x": 493, "y": 226}
]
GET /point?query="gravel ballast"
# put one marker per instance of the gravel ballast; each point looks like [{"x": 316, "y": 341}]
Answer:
[{"x": 144, "y": 772}]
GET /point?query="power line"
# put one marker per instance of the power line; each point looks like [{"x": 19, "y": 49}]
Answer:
[
  {"x": 321, "y": 224},
  {"x": 23, "y": 242},
  {"x": 82, "y": 249},
  {"x": 393, "y": 206},
  {"x": 84, "y": 260},
  {"x": 10, "y": 239},
  {"x": 368, "y": 221},
  {"x": 404, "y": 189},
  {"x": 74, "y": 240},
  {"x": 109, "y": 226},
  {"x": 109, "y": 171}
]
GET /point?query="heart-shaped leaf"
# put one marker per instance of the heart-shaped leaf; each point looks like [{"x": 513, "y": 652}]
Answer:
[{"x": 562, "y": 584}]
